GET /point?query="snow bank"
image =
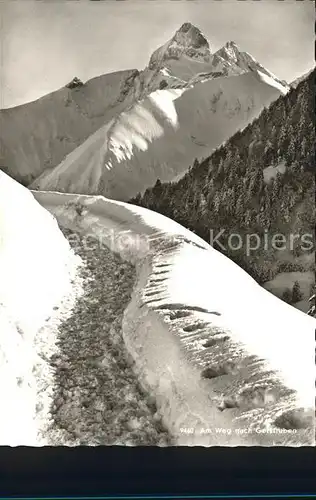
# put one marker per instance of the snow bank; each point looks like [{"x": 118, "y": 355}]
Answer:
[
  {"x": 202, "y": 333},
  {"x": 36, "y": 269}
]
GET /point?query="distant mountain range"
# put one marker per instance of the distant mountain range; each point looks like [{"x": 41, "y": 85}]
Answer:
[{"x": 117, "y": 133}]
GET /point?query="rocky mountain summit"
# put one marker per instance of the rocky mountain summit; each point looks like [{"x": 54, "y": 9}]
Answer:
[{"x": 188, "y": 41}]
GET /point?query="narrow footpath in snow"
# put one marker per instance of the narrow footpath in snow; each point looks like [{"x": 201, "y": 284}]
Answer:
[{"x": 97, "y": 397}]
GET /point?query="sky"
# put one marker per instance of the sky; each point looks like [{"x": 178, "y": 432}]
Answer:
[{"x": 45, "y": 43}]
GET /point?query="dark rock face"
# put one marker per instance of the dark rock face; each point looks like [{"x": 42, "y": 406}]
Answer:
[
  {"x": 185, "y": 27},
  {"x": 193, "y": 35},
  {"x": 75, "y": 83}
]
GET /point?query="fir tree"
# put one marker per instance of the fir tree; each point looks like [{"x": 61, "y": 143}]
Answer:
[{"x": 296, "y": 293}]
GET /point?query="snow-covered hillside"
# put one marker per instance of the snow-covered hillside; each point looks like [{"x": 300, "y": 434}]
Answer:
[
  {"x": 221, "y": 355},
  {"x": 37, "y": 136},
  {"x": 38, "y": 287},
  {"x": 160, "y": 136}
]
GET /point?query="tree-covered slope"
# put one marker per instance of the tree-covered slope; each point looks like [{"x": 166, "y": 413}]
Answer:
[{"x": 261, "y": 182}]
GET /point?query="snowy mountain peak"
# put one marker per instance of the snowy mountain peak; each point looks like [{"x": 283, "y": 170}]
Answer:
[
  {"x": 188, "y": 41},
  {"x": 230, "y": 51},
  {"x": 232, "y": 45},
  {"x": 187, "y": 56},
  {"x": 236, "y": 59}
]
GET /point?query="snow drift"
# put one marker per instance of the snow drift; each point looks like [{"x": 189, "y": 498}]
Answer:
[
  {"x": 227, "y": 361},
  {"x": 36, "y": 270}
]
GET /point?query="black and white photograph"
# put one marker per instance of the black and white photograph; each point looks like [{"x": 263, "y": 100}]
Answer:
[{"x": 157, "y": 214}]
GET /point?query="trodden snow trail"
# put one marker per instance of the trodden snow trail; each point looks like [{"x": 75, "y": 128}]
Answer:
[{"x": 97, "y": 397}]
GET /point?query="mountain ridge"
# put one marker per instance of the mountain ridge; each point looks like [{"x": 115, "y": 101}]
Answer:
[{"x": 159, "y": 137}]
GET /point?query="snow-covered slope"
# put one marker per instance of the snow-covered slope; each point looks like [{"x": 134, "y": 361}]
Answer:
[
  {"x": 37, "y": 136},
  {"x": 160, "y": 137},
  {"x": 36, "y": 271},
  {"x": 228, "y": 362}
]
